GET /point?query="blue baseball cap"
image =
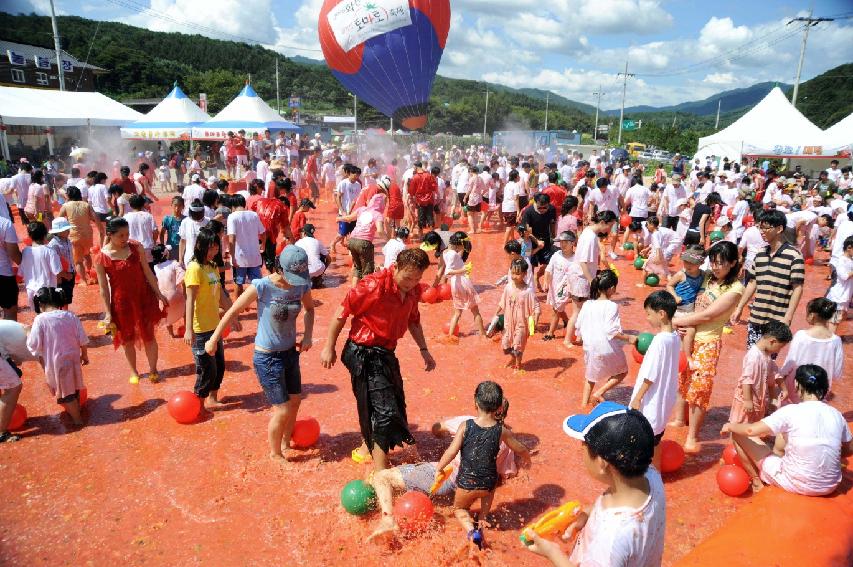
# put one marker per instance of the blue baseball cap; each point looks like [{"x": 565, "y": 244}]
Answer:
[
  {"x": 577, "y": 426},
  {"x": 294, "y": 265}
]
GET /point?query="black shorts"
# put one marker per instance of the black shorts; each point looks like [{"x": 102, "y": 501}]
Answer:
[
  {"x": 542, "y": 257},
  {"x": 509, "y": 218},
  {"x": 102, "y": 216},
  {"x": 8, "y": 292},
  {"x": 691, "y": 237},
  {"x": 475, "y": 208},
  {"x": 670, "y": 222},
  {"x": 639, "y": 219},
  {"x": 658, "y": 438},
  {"x": 426, "y": 216}
]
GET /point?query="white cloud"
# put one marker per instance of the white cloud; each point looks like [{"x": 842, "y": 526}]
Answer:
[
  {"x": 722, "y": 79},
  {"x": 303, "y": 33}
]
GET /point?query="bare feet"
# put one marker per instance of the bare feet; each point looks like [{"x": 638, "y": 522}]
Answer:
[
  {"x": 387, "y": 527},
  {"x": 691, "y": 447},
  {"x": 596, "y": 399},
  {"x": 757, "y": 485},
  {"x": 676, "y": 423},
  {"x": 212, "y": 404},
  {"x": 448, "y": 340},
  {"x": 279, "y": 459}
]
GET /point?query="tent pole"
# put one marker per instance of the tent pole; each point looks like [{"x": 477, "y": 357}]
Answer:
[{"x": 4, "y": 142}]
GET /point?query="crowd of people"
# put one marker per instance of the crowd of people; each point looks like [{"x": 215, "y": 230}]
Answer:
[{"x": 719, "y": 236}]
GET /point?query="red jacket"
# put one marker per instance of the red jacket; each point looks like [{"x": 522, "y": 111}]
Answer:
[{"x": 423, "y": 187}]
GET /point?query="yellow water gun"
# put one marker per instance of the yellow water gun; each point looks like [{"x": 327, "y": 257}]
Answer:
[
  {"x": 441, "y": 478},
  {"x": 468, "y": 268},
  {"x": 553, "y": 522},
  {"x": 107, "y": 329},
  {"x": 531, "y": 325}
]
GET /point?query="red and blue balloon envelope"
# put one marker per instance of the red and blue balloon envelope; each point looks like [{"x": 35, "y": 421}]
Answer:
[{"x": 386, "y": 52}]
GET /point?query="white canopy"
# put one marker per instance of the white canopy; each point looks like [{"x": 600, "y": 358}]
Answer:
[
  {"x": 772, "y": 128},
  {"x": 172, "y": 119},
  {"x": 246, "y": 112},
  {"x": 841, "y": 133},
  {"x": 42, "y": 107}
]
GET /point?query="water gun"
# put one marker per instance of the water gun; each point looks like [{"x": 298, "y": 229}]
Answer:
[
  {"x": 108, "y": 329},
  {"x": 468, "y": 268},
  {"x": 531, "y": 325},
  {"x": 441, "y": 478},
  {"x": 553, "y": 522}
]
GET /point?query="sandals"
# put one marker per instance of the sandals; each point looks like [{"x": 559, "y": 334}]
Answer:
[
  {"x": 359, "y": 458},
  {"x": 475, "y": 536},
  {"x": 548, "y": 337},
  {"x": 154, "y": 377},
  {"x": 7, "y": 437}
]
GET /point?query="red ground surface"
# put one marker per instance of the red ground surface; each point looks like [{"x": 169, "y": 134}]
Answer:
[{"x": 134, "y": 487}]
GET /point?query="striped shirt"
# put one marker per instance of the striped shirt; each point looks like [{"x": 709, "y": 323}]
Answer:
[{"x": 775, "y": 277}]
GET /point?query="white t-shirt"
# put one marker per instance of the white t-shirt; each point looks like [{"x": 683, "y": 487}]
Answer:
[
  {"x": 660, "y": 367},
  {"x": 391, "y": 250},
  {"x": 771, "y": 193},
  {"x": 142, "y": 227},
  {"x": 84, "y": 188},
  {"x": 843, "y": 230},
  {"x": 348, "y": 190},
  {"x": 624, "y": 537},
  {"x": 39, "y": 267},
  {"x": 246, "y": 227},
  {"x": 188, "y": 231},
  {"x": 7, "y": 235},
  {"x": 673, "y": 194},
  {"x": 313, "y": 249},
  {"x": 99, "y": 198},
  {"x": 639, "y": 198},
  {"x": 739, "y": 211},
  {"x": 805, "y": 349},
  {"x": 510, "y": 199},
  {"x": 191, "y": 192},
  {"x": 588, "y": 250},
  {"x": 842, "y": 291},
  {"x": 753, "y": 242},
  {"x": 811, "y": 464},
  {"x": 667, "y": 240},
  {"x": 605, "y": 201}
]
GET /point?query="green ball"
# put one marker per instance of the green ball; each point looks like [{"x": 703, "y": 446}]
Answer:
[
  {"x": 500, "y": 325},
  {"x": 652, "y": 280},
  {"x": 628, "y": 246},
  {"x": 358, "y": 497},
  {"x": 644, "y": 340},
  {"x": 639, "y": 263},
  {"x": 717, "y": 235}
]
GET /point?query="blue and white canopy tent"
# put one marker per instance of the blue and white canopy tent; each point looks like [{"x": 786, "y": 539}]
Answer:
[
  {"x": 246, "y": 112},
  {"x": 172, "y": 119}
]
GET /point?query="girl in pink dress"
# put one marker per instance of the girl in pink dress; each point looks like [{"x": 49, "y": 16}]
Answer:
[
  {"x": 58, "y": 339},
  {"x": 170, "y": 281},
  {"x": 462, "y": 290},
  {"x": 518, "y": 305},
  {"x": 759, "y": 370}
]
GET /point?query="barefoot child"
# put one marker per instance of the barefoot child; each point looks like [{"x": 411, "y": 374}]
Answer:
[
  {"x": 759, "y": 371},
  {"x": 656, "y": 387},
  {"x": 664, "y": 244},
  {"x": 478, "y": 440},
  {"x": 40, "y": 264},
  {"x": 456, "y": 272},
  {"x": 518, "y": 305},
  {"x": 626, "y": 524},
  {"x": 58, "y": 339},
  {"x": 170, "y": 281},
  {"x": 561, "y": 275},
  {"x": 842, "y": 290},
  {"x": 600, "y": 330}
]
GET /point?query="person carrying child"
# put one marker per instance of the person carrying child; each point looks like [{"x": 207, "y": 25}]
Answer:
[
  {"x": 684, "y": 285},
  {"x": 518, "y": 305},
  {"x": 755, "y": 384},
  {"x": 478, "y": 441},
  {"x": 627, "y": 523},
  {"x": 462, "y": 290}
]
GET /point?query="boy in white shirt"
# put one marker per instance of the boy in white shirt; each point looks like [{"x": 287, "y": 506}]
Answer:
[
  {"x": 141, "y": 226},
  {"x": 246, "y": 239},
  {"x": 842, "y": 290},
  {"x": 40, "y": 264},
  {"x": 656, "y": 387}
]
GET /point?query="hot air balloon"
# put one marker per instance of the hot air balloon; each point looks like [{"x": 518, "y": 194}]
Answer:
[{"x": 386, "y": 52}]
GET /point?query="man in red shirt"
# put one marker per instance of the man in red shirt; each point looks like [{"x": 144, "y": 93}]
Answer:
[
  {"x": 424, "y": 188},
  {"x": 124, "y": 181},
  {"x": 241, "y": 152},
  {"x": 383, "y": 305},
  {"x": 555, "y": 192},
  {"x": 230, "y": 156},
  {"x": 275, "y": 216}
]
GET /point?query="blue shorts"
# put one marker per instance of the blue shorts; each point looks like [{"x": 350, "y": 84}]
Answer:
[
  {"x": 345, "y": 228},
  {"x": 246, "y": 275},
  {"x": 278, "y": 374}
]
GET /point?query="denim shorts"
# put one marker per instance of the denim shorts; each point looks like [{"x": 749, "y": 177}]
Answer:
[
  {"x": 278, "y": 374},
  {"x": 246, "y": 275}
]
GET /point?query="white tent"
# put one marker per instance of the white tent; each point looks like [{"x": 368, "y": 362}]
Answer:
[
  {"x": 841, "y": 133},
  {"x": 42, "y": 107},
  {"x": 246, "y": 112},
  {"x": 772, "y": 128},
  {"x": 172, "y": 119}
]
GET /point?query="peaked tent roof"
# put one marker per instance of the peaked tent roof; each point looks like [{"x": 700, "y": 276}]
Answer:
[
  {"x": 43, "y": 107},
  {"x": 172, "y": 119},
  {"x": 841, "y": 133},
  {"x": 772, "y": 128},
  {"x": 248, "y": 112}
]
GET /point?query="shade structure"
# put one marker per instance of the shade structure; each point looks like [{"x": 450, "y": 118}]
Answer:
[
  {"x": 246, "y": 112},
  {"x": 841, "y": 133},
  {"x": 42, "y": 107},
  {"x": 172, "y": 119},
  {"x": 772, "y": 128}
]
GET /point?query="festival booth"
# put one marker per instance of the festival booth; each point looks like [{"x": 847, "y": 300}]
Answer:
[
  {"x": 246, "y": 112},
  {"x": 30, "y": 114},
  {"x": 172, "y": 119},
  {"x": 772, "y": 129}
]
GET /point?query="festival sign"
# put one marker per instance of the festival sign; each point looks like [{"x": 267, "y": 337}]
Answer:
[{"x": 355, "y": 21}]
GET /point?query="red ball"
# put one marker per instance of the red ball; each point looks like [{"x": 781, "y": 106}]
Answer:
[
  {"x": 625, "y": 220},
  {"x": 306, "y": 432},
  {"x": 444, "y": 292},
  {"x": 635, "y": 354},
  {"x": 809, "y": 261},
  {"x": 671, "y": 456},
  {"x": 182, "y": 330},
  {"x": 446, "y": 329},
  {"x": 730, "y": 456},
  {"x": 629, "y": 255},
  {"x": 732, "y": 480},
  {"x": 430, "y": 295},
  {"x": 19, "y": 416},
  {"x": 413, "y": 512},
  {"x": 184, "y": 407},
  {"x": 84, "y": 396},
  {"x": 682, "y": 362},
  {"x": 226, "y": 331}
]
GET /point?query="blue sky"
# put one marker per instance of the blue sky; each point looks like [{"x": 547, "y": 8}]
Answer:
[{"x": 679, "y": 50}]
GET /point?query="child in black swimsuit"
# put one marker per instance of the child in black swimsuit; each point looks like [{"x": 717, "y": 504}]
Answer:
[{"x": 479, "y": 440}]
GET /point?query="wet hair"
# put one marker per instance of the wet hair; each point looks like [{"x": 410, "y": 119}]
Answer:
[
  {"x": 653, "y": 221},
  {"x": 222, "y": 185},
  {"x": 205, "y": 239},
  {"x": 518, "y": 265},
  {"x": 115, "y": 189},
  {"x": 777, "y": 330},
  {"x": 100, "y": 176},
  {"x": 513, "y": 175},
  {"x": 158, "y": 253},
  {"x": 603, "y": 280},
  {"x": 74, "y": 193},
  {"x": 50, "y": 297},
  {"x": 115, "y": 224},
  {"x": 726, "y": 251},
  {"x": 460, "y": 238},
  {"x": 402, "y": 233},
  {"x": 773, "y": 218},
  {"x": 412, "y": 258},
  {"x": 136, "y": 202},
  {"x": 848, "y": 243},
  {"x": 209, "y": 198},
  {"x": 178, "y": 200},
  {"x": 604, "y": 216},
  {"x": 635, "y": 226},
  {"x": 661, "y": 300},
  {"x": 125, "y": 170},
  {"x": 812, "y": 379},
  {"x": 512, "y": 247},
  {"x": 37, "y": 231},
  {"x": 714, "y": 199},
  {"x": 625, "y": 441},
  {"x": 552, "y": 177},
  {"x": 570, "y": 203},
  {"x": 489, "y": 396},
  {"x": 237, "y": 201},
  {"x": 37, "y": 176},
  {"x": 196, "y": 210},
  {"x": 432, "y": 238},
  {"x": 542, "y": 199},
  {"x": 602, "y": 182},
  {"x": 830, "y": 222},
  {"x": 821, "y": 308}
]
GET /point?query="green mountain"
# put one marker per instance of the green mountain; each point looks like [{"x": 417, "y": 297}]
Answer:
[
  {"x": 827, "y": 98},
  {"x": 731, "y": 100}
]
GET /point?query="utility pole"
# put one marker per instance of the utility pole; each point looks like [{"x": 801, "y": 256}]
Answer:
[
  {"x": 598, "y": 96},
  {"x": 485, "y": 116},
  {"x": 717, "y": 123},
  {"x": 547, "y": 98},
  {"x": 277, "y": 97},
  {"x": 625, "y": 76},
  {"x": 809, "y": 22},
  {"x": 60, "y": 72}
]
